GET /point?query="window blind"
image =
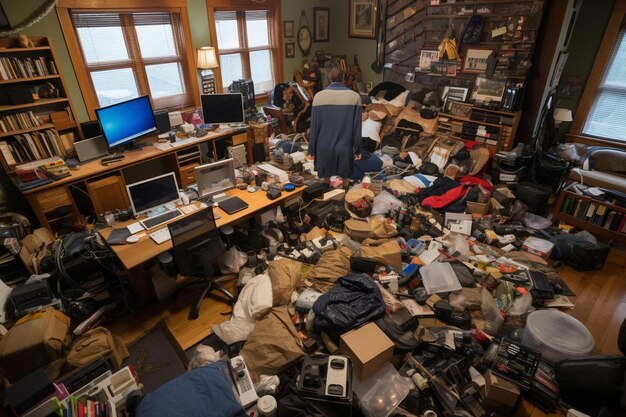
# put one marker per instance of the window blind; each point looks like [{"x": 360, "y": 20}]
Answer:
[
  {"x": 607, "y": 118},
  {"x": 128, "y": 54}
]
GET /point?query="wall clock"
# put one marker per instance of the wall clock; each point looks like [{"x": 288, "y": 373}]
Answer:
[{"x": 305, "y": 38}]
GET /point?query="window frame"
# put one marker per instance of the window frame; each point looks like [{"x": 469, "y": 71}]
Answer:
[
  {"x": 275, "y": 27},
  {"x": 615, "y": 27},
  {"x": 83, "y": 76}
]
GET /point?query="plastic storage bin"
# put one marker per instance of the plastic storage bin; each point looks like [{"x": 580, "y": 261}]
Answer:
[
  {"x": 439, "y": 277},
  {"x": 557, "y": 335},
  {"x": 382, "y": 392}
]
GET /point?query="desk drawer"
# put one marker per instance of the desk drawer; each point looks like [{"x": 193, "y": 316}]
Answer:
[
  {"x": 240, "y": 139},
  {"x": 187, "y": 175},
  {"x": 52, "y": 199}
]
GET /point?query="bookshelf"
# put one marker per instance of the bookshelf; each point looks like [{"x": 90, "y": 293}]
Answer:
[
  {"x": 37, "y": 129},
  {"x": 465, "y": 122},
  {"x": 600, "y": 217}
]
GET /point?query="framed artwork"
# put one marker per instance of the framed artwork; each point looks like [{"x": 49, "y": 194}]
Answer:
[
  {"x": 426, "y": 59},
  {"x": 368, "y": 86},
  {"x": 475, "y": 61},
  {"x": 290, "y": 50},
  {"x": 320, "y": 55},
  {"x": 454, "y": 93},
  {"x": 488, "y": 90},
  {"x": 321, "y": 24},
  {"x": 362, "y": 19},
  {"x": 572, "y": 87},
  {"x": 288, "y": 28}
]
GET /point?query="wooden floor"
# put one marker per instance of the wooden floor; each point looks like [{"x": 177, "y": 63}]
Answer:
[{"x": 600, "y": 304}]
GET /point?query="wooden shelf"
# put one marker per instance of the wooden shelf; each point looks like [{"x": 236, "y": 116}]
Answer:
[
  {"x": 24, "y": 80},
  {"x": 30, "y": 129},
  {"x": 37, "y": 103},
  {"x": 595, "y": 201},
  {"x": 467, "y": 119},
  {"x": 592, "y": 228},
  {"x": 12, "y": 50}
]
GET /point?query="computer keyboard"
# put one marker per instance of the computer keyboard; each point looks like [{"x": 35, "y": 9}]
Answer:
[
  {"x": 155, "y": 221},
  {"x": 161, "y": 235}
]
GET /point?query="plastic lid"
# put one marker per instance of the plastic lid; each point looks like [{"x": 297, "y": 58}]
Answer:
[
  {"x": 266, "y": 404},
  {"x": 560, "y": 332}
]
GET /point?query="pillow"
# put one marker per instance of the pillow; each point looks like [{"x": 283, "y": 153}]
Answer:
[
  {"x": 371, "y": 129},
  {"x": 400, "y": 99}
]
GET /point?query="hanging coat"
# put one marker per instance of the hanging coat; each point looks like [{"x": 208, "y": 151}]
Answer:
[{"x": 335, "y": 135}]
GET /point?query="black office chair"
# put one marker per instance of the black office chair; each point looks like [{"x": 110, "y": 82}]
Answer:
[{"x": 196, "y": 246}]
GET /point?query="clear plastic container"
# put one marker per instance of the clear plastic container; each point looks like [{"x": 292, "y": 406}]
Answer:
[
  {"x": 557, "y": 335},
  {"x": 439, "y": 277},
  {"x": 382, "y": 392}
]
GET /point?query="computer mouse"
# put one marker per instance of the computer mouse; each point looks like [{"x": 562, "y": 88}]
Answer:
[
  {"x": 132, "y": 239},
  {"x": 72, "y": 163}
]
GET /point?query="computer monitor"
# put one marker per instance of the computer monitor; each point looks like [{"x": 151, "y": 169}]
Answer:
[
  {"x": 124, "y": 122},
  {"x": 222, "y": 108},
  {"x": 216, "y": 177},
  {"x": 152, "y": 193}
]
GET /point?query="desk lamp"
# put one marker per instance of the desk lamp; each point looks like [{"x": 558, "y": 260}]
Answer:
[
  {"x": 561, "y": 115},
  {"x": 206, "y": 62}
]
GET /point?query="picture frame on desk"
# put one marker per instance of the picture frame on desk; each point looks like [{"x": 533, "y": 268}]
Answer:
[{"x": 487, "y": 89}]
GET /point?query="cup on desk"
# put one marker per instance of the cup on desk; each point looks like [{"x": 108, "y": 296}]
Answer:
[
  {"x": 109, "y": 218},
  {"x": 259, "y": 179}
]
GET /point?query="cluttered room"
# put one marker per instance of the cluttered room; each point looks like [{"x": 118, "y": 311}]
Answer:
[{"x": 312, "y": 208}]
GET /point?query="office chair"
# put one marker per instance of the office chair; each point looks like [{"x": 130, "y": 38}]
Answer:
[{"x": 196, "y": 246}]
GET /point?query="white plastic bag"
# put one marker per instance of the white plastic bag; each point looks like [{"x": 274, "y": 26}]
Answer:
[
  {"x": 203, "y": 355},
  {"x": 384, "y": 202},
  {"x": 232, "y": 261}
]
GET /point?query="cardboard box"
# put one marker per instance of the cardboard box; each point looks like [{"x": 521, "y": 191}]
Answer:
[
  {"x": 368, "y": 347},
  {"x": 499, "y": 391}
]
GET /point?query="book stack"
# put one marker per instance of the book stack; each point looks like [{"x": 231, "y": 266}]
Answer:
[
  {"x": 34, "y": 146},
  {"x": 12, "y": 68},
  {"x": 19, "y": 121},
  {"x": 596, "y": 213},
  {"x": 86, "y": 407}
]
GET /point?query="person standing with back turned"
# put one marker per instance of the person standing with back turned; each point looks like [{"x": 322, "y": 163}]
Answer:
[{"x": 335, "y": 135}]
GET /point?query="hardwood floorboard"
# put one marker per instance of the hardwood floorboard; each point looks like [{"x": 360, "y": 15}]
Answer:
[{"x": 600, "y": 303}]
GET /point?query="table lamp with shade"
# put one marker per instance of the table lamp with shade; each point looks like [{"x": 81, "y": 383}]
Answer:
[
  {"x": 561, "y": 115},
  {"x": 206, "y": 62}
]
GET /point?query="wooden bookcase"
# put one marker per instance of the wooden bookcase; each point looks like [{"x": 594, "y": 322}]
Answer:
[
  {"x": 567, "y": 214},
  {"x": 471, "y": 123},
  {"x": 53, "y": 116}
]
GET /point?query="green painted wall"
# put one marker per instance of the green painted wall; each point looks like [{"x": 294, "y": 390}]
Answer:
[
  {"x": 584, "y": 44},
  {"x": 339, "y": 43}
]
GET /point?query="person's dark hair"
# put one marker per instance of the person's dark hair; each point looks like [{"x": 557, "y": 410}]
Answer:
[{"x": 337, "y": 75}]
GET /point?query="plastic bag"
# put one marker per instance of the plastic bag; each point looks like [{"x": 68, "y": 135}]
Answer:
[
  {"x": 491, "y": 314},
  {"x": 203, "y": 355},
  {"x": 536, "y": 222},
  {"x": 267, "y": 385},
  {"x": 384, "y": 202},
  {"x": 458, "y": 247},
  {"x": 232, "y": 261}
]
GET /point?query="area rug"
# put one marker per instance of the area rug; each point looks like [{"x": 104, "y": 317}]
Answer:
[{"x": 157, "y": 358}]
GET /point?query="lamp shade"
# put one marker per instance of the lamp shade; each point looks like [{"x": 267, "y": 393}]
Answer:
[
  {"x": 562, "y": 115},
  {"x": 206, "y": 58}
]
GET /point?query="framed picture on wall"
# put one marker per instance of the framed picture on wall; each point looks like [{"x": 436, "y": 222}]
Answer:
[
  {"x": 288, "y": 28},
  {"x": 475, "y": 61},
  {"x": 426, "y": 58},
  {"x": 362, "y": 19},
  {"x": 488, "y": 90},
  {"x": 290, "y": 50},
  {"x": 321, "y": 24}
]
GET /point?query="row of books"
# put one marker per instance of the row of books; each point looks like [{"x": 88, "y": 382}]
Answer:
[
  {"x": 595, "y": 213},
  {"x": 84, "y": 407},
  {"x": 12, "y": 68},
  {"x": 19, "y": 121},
  {"x": 34, "y": 146}
]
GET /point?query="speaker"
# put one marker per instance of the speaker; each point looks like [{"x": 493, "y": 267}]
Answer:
[
  {"x": 162, "y": 120},
  {"x": 91, "y": 129},
  {"x": 89, "y": 149}
]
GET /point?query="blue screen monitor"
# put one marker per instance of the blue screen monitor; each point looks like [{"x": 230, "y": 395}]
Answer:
[{"x": 124, "y": 122}]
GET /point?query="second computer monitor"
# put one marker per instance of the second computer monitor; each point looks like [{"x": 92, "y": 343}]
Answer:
[
  {"x": 216, "y": 177},
  {"x": 152, "y": 193},
  {"x": 124, "y": 122},
  {"x": 222, "y": 108}
]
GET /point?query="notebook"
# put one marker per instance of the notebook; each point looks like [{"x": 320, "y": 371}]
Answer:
[
  {"x": 118, "y": 236},
  {"x": 233, "y": 205}
]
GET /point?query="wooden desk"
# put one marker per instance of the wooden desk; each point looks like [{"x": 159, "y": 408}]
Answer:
[
  {"x": 135, "y": 254},
  {"x": 106, "y": 185}
]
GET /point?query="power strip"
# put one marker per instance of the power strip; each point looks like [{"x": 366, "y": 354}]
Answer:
[{"x": 336, "y": 194}]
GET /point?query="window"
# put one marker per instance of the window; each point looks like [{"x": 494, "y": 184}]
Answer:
[
  {"x": 131, "y": 54},
  {"x": 246, "y": 41},
  {"x": 600, "y": 117}
]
